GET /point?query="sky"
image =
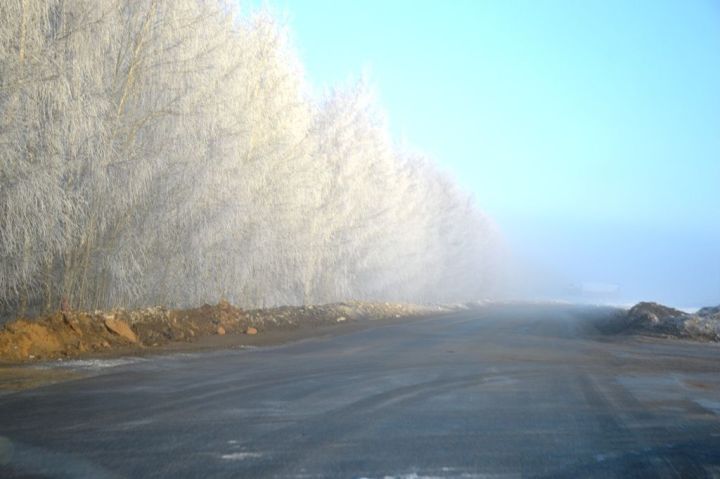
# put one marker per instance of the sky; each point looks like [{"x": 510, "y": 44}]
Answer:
[{"x": 589, "y": 131}]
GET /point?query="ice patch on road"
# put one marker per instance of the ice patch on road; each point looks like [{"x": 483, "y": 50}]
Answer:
[
  {"x": 447, "y": 474},
  {"x": 240, "y": 456},
  {"x": 710, "y": 405},
  {"x": 129, "y": 425},
  {"x": 92, "y": 364},
  {"x": 405, "y": 476},
  {"x": 412, "y": 476},
  {"x": 247, "y": 347}
]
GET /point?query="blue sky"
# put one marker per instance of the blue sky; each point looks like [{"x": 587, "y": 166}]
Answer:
[{"x": 589, "y": 130}]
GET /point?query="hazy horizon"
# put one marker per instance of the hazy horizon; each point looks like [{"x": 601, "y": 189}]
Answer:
[
  {"x": 184, "y": 152},
  {"x": 588, "y": 131}
]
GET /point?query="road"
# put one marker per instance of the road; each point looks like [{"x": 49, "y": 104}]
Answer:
[{"x": 502, "y": 391}]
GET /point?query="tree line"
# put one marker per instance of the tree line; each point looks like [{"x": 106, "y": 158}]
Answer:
[{"x": 171, "y": 152}]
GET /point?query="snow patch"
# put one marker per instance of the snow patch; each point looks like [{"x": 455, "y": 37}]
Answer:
[
  {"x": 93, "y": 364},
  {"x": 464, "y": 475},
  {"x": 710, "y": 405},
  {"x": 240, "y": 456}
]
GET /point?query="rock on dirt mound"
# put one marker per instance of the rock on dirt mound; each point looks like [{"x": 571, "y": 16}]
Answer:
[
  {"x": 68, "y": 334},
  {"x": 654, "y": 314},
  {"x": 120, "y": 327},
  {"x": 659, "y": 319},
  {"x": 709, "y": 311},
  {"x": 79, "y": 333}
]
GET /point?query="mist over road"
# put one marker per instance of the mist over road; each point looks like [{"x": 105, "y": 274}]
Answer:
[{"x": 507, "y": 391}]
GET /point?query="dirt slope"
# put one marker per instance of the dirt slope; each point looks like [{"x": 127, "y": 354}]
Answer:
[
  {"x": 73, "y": 334},
  {"x": 653, "y": 318}
]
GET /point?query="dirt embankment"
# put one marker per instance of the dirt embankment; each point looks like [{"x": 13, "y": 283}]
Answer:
[
  {"x": 656, "y": 319},
  {"x": 73, "y": 334}
]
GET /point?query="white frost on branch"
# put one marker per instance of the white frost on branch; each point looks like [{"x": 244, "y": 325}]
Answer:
[{"x": 167, "y": 151}]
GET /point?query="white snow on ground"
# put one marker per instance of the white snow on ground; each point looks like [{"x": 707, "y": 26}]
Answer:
[
  {"x": 709, "y": 404},
  {"x": 628, "y": 305},
  {"x": 447, "y": 474},
  {"x": 91, "y": 364},
  {"x": 688, "y": 309},
  {"x": 240, "y": 456},
  {"x": 520, "y": 302}
]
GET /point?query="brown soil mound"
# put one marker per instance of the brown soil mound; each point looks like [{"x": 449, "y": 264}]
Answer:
[
  {"x": 653, "y": 313},
  {"x": 70, "y": 334},
  {"x": 709, "y": 311},
  {"x": 656, "y": 319}
]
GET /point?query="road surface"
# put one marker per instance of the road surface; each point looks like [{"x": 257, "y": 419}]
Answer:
[{"x": 502, "y": 391}]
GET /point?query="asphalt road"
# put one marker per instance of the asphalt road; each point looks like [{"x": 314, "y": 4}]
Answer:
[{"x": 511, "y": 391}]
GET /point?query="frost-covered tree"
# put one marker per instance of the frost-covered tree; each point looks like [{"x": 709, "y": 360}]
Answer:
[{"x": 169, "y": 151}]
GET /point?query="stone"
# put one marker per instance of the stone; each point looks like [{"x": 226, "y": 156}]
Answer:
[
  {"x": 251, "y": 331},
  {"x": 709, "y": 311},
  {"x": 120, "y": 328},
  {"x": 221, "y": 331},
  {"x": 74, "y": 324},
  {"x": 653, "y": 313}
]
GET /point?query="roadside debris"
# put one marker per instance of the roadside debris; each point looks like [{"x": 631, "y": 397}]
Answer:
[
  {"x": 70, "y": 334},
  {"x": 659, "y": 319}
]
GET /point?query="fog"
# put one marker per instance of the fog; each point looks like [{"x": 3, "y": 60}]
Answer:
[
  {"x": 587, "y": 130},
  {"x": 584, "y": 261},
  {"x": 171, "y": 152},
  {"x": 182, "y": 152}
]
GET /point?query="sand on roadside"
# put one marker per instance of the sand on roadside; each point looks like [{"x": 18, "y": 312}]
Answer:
[{"x": 32, "y": 350}]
